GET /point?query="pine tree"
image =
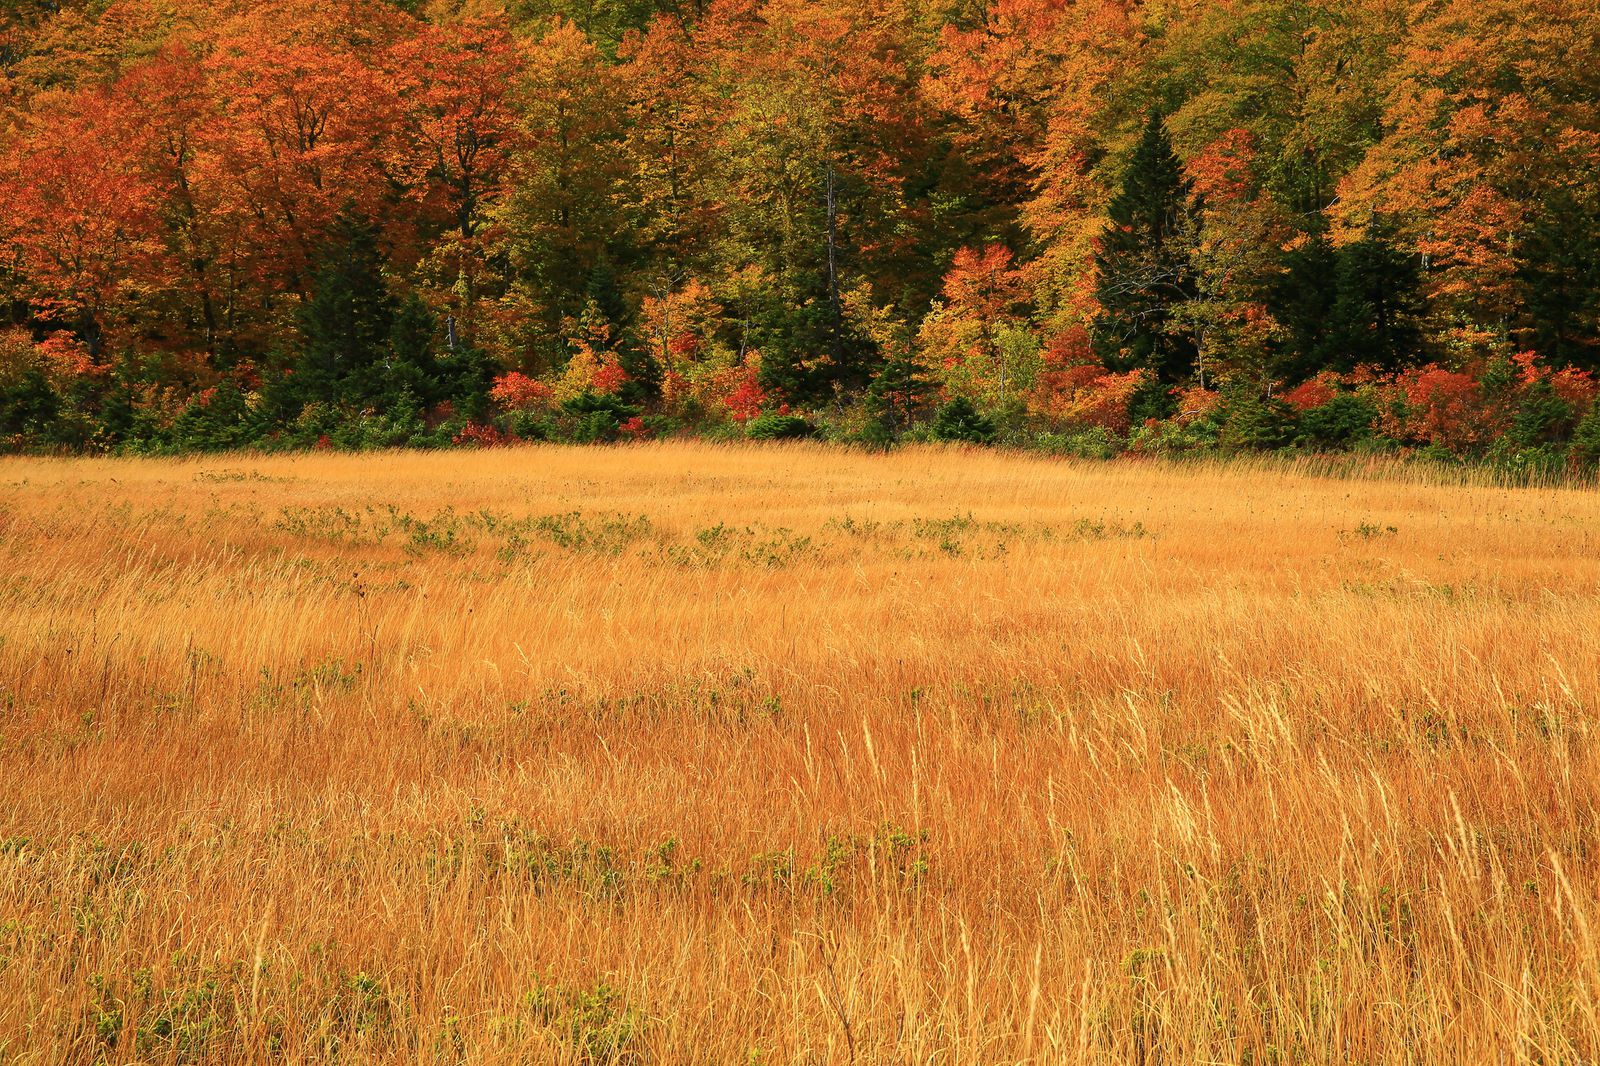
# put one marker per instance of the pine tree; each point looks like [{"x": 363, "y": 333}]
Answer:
[
  {"x": 897, "y": 392},
  {"x": 958, "y": 421},
  {"x": 1377, "y": 301},
  {"x": 1301, "y": 301},
  {"x": 414, "y": 374},
  {"x": 1560, "y": 276},
  {"x": 348, "y": 321},
  {"x": 1143, "y": 264}
]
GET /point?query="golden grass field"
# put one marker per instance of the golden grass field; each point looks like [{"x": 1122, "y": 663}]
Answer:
[{"x": 679, "y": 753}]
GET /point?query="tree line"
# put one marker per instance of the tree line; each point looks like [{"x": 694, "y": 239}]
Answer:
[{"x": 1085, "y": 225}]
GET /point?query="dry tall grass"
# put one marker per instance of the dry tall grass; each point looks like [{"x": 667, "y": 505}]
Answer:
[{"x": 677, "y": 753}]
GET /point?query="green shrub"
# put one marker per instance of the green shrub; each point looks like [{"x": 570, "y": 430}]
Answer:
[
  {"x": 1095, "y": 443},
  {"x": 1542, "y": 418},
  {"x": 398, "y": 428},
  {"x": 529, "y": 425},
  {"x": 780, "y": 427},
  {"x": 1519, "y": 463},
  {"x": 1337, "y": 424},
  {"x": 591, "y": 418},
  {"x": 29, "y": 407},
  {"x": 1257, "y": 423},
  {"x": 216, "y": 421},
  {"x": 1170, "y": 437},
  {"x": 1584, "y": 451},
  {"x": 1152, "y": 399},
  {"x": 959, "y": 421}
]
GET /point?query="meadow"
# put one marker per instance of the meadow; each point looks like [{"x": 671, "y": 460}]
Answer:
[{"x": 681, "y": 753}]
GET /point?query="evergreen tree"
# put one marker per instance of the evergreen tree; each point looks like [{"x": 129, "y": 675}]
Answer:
[
  {"x": 894, "y": 397},
  {"x": 1301, "y": 301},
  {"x": 29, "y": 407},
  {"x": 1144, "y": 265},
  {"x": 794, "y": 331},
  {"x": 348, "y": 322},
  {"x": 1560, "y": 278},
  {"x": 1346, "y": 307},
  {"x": 1376, "y": 305},
  {"x": 414, "y": 376},
  {"x": 959, "y": 421}
]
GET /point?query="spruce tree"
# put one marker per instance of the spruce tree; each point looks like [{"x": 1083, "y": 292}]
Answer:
[
  {"x": 1355, "y": 305},
  {"x": 1376, "y": 306},
  {"x": 413, "y": 375},
  {"x": 896, "y": 394},
  {"x": 1144, "y": 264},
  {"x": 1301, "y": 300},
  {"x": 1560, "y": 275},
  {"x": 347, "y": 323}
]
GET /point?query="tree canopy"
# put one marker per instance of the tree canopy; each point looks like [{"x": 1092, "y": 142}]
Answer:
[{"x": 1075, "y": 216}]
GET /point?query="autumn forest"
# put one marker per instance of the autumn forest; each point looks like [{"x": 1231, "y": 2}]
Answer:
[
  {"x": 1088, "y": 227},
  {"x": 800, "y": 532}
]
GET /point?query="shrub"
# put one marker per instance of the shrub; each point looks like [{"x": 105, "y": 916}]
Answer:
[
  {"x": 748, "y": 398},
  {"x": 1097, "y": 442},
  {"x": 1315, "y": 393},
  {"x": 1174, "y": 435},
  {"x": 780, "y": 427},
  {"x": 1257, "y": 423},
  {"x": 1449, "y": 409},
  {"x": 215, "y": 420},
  {"x": 528, "y": 425},
  {"x": 1544, "y": 416},
  {"x": 479, "y": 435},
  {"x": 29, "y": 407},
  {"x": 1150, "y": 400},
  {"x": 1338, "y": 423},
  {"x": 594, "y": 417},
  {"x": 1087, "y": 396},
  {"x": 1527, "y": 463},
  {"x": 516, "y": 391},
  {"x": 1585, "y": 450},
  {"x": 959, "y": 421}
]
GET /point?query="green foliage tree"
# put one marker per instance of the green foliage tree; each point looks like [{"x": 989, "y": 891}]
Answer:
[
  {"x": 1302, "y": 299},
  {"x": 780, "y": 427},
  {"x": 897, "y": 393},
  {"x": 1337, "y": 424},
  {"x": 1584, "y": 450},
  {"x": 1143, "y": 263},
  {"x": 29, "y": 407},
  {"x": 1253, "y": 422},
  {"x": 1376, "y": 306},
  {"x": 348, "y": 322},
  {"x": 1343, "y": 307},
  {"x": 1560, "y": 276},
  {"x": 959, "y": 422}
]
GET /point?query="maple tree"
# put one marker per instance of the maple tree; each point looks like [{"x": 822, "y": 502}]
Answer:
[
  {"x": 80, "y": 220},
  {"x": 976, "y": 337}
]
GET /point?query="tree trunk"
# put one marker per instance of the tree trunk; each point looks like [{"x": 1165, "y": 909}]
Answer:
[{"x": 836, "y": 313}]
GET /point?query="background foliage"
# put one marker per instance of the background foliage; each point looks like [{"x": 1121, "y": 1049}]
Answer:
[{"x": 1094, "y": 225}]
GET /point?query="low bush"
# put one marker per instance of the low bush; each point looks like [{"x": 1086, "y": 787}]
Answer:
[
  {"x": 780, "y": 427},
  {"x": 959, "y": 422}
]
